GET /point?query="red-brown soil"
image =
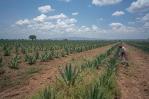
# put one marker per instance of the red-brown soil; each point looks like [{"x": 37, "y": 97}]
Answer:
[
  {"x": 46, "y": 76},
  {"x": 133, "y": 80}
]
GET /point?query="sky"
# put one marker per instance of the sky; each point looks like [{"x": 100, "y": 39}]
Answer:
[{"x": 100, "y": 19}]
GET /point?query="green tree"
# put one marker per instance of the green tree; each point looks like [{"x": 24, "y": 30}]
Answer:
[{"x": 32, "y": 37}]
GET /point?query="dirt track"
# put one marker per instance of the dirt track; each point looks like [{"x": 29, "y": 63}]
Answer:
[
  {"x": 46, "y": 76},
  {"x": 134, "y": 80}
]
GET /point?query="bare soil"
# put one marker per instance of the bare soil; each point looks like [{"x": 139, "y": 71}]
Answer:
[
  {"x": 133, "y": 80},
  {"x": 46, "y": 76}
]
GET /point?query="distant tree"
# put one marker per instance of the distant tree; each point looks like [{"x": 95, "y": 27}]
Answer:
[
  {"x": 32, "y": 37},
  {"x": 65, "y": 39}
]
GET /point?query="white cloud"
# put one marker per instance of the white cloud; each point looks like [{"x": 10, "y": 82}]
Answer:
[
  {"x": 62, "y": 24},
  {"x": 121, "y": 28},
  {"x": 118, "y": 13},
  {"x": 105, "y": 2},
  {"x": 139, "y": 5},
  {"x": 145, "y": 20},
  {"x": 40, "y": 18},
  {"x": 57, "y": 23},
  {"x": 75, "y": 13},
  {"x": 59, "y": 16},
  {"x": 116, "y": 25},
  {"x": 23, "y": 22},
  {"x": 94, "y": 27},
  {"x": 45, "y": 9},
  {"x": 146, "y": 24},
  {"x": 146, "y": 17}
]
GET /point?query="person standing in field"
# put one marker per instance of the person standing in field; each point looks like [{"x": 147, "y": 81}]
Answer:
[{"x": 122, "y": 53}]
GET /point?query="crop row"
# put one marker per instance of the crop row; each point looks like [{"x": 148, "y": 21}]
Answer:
[
  {"x": 144, "y": 45},
  {"x": 71, "y": 83},
  {"x": 32, "y": 51}
]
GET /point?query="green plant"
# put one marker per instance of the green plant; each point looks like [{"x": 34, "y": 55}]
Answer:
[
  {"x": 89, "y": 64},
  {"x": 45, "y": 57},
  {"x": 1, "y": 62},
  {"x": 69, "y": 75},
  {"x": 94, "y": 92},
  {"x": 63, "y": 53},
  {"x": 56, "y": 54},
  {"x": 14, "y": 62},
  {"x": 112, "y": 63},
  {"x": 67, "y": 51},
  {"x": 2, "y": 71},
  {"x": 37, "y": 55},
  {"x": 23, "y": 50},
  {"x": 7, "y": 52},
  {"x": 17, "y": 49},
  {"x": 47, "y": 93},
  {"x": 30, "y": 59}
]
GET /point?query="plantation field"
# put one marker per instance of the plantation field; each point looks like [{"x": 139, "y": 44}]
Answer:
[
  {"x": 144, "y": 45},
  {"x": 52, "y": 69}
]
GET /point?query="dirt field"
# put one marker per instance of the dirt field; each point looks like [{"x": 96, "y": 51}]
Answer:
[
  {"x": 47, "y": 75},
  {"x": 134, "y": 80}
]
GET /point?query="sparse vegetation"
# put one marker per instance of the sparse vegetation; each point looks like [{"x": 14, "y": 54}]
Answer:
[
  {"x": 14, "y": 62},
  {"x": 32, "y": 70},
  {"x": 100, "y": 87},
  {"x": 72, "y": 81}
]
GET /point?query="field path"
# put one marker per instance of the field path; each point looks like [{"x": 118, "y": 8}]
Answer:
[
  {"x": 134, "y": 79},
  {"x": 47, "y": 75}
]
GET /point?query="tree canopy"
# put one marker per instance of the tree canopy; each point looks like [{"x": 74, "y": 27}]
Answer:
[{"x": 32, "y": 37}]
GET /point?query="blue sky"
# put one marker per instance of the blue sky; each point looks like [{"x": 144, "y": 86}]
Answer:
[{"x": 104, "y": 19}]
